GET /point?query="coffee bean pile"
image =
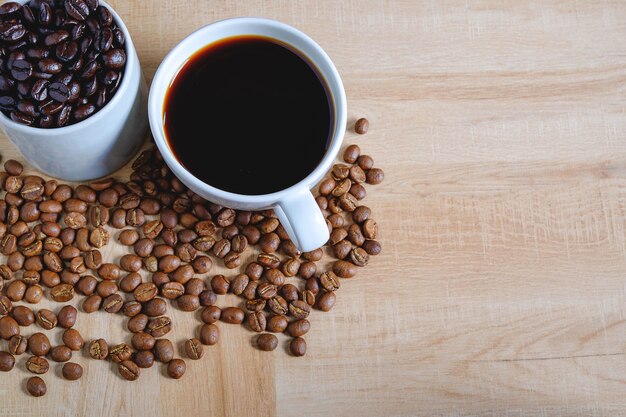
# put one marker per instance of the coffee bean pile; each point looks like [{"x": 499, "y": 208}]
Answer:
[
  {"x": 52, "y": 234},
  {"x": 60, "y": 61}
]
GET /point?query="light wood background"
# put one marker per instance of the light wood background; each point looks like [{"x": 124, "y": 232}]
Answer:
[{"x": 501, "y": 126}]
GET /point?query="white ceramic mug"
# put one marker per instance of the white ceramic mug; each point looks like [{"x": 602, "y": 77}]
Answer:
[
  {"x": 98, "y": 145},
  {"x": 295, "y": 206}
]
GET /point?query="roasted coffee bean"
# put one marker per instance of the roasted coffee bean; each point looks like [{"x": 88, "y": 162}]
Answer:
[
  {"x": 128, "y": 370},
  {"x": 7, "y": 361},
  {"x": 120, "y": 353},
  {"x": 60, "y": 353},
  {"x": 327, "y": 301},
  {"x": 289, "y": 292},
  {"x": 131, "y": 308},
  {"x": 92, "y": 303},
  {"x": 299, "y": 309},
  {"x": 257, "y": 321},
  {"x": 67, "y": 316},
  {"x": 163, "y": 350},
  {"x": 352, "y": 152},
  {"x": 73, "y": 339},
  {"x": 39, "y": 344},
  {"x": 194, "y": 349},
  {"x": 8, "y": 328},
  {"x": 266, "y": 290},
  {"x": 23, "y": 315},
  {"x": 329, "y": 281},
  {"x": 277, "y": 324},
  {"x": 72, "y": 371},
  {"x": 33, "y": 294},
  {"x": 267, "y": 342},
  {"x": 372, "y": 247},
  {"x": 144, "y": 359},
  {"x": 113, "y": 303},
  {"x": 297, "y": 347},
  {"x": 62, "y": 293},
  {"x": 99, "y": 349},
  {"x": 46, "y": 319},
  {"x": 15, "y": 290},
  {"x": 298, "y": 328},
  {"x": 188, "y": 302},
  {"x": 35, "y": 385},
  {"x": 114, "y": 59},
  {"x": 359, "y": 256},
  {"x": 232, "y": 315},
  {"x": 17, "y": 345},
  {"x": 268, "y": 260},
  {"x": 250, "y": 292},
  {"x": 278, "y": 305},
  {"x": 269, "y": 242},
  {"x": 211, "y": 314},
  {"x": 344, "y": 269},
  {"x": 142, "y": 341},
  {"x": 138, "y": 323},
  {"x": 5, "y": 305},
  {"x": 176, "y": 368},
  {"x": 159, "y": 326},
  {"x": 155, "y": 307},
  {"x": 255, "y": 305},
  {"x": 365, "y": 162},
  {"x": 109, "y": 271}
]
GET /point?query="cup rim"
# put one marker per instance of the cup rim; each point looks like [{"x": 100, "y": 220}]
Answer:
[
  {"x": 338, "y": 97},
  {"x": 130, "y": 66}
]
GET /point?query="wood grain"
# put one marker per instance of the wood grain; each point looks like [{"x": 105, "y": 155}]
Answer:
[{"x": 500, "y": 291}]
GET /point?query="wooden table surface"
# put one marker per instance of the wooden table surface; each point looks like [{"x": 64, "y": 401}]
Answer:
[{"x": 501, "y": 126}]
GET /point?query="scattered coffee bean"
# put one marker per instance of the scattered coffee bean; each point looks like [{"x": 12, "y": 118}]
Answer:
[
  {"x": 72, "y": 371},
  {"x": 194, "y": 349},
  {"x": 128, "y": 370},
  {"x": 297, "y": 347},
  {"x": 7, "y": 361},
  {"x": 267, "y": 342},
  {"x": 36, "y": 386}
]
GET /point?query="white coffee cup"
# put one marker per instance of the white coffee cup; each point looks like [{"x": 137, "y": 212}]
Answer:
[
  {"x": 98, "y": 145},
  {"x": 295, "y": 206}
]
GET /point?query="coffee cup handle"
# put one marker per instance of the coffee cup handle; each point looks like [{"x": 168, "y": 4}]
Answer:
[{"x": 303, "y": 220}]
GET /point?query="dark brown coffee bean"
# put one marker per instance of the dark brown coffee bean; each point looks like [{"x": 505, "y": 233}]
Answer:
[
  {"x": 327, "y": 301},
  {"x": 176, "y": 368},
  {"x": 172, "y": 290},
  {"x": 73, "y": 339},
  {"x": 188, "y": 302},
  {"x": 254, "y": 271},
  {"x": 39, "y": 344},
  {"x": 109, "y": 271},
  {"x": 163, "y": 350},
  {"x": 120, "y": 353},
  {"x": 329, "y": 281},
  {"x": 131, "y": 308},
  {"x": 255, "y": 305},
  {"x": 21, "y": 69},
  {"x": 221, "y": 248},
  {"x": 155, "y": 307},
  {"x": 232, "y": 315},
  {"x": 77, "y": 9},
  {"x": 372, "y": 247},
  {"x": 375, "y": 176},
  {"x": 194, "y": 349},
  {"x": 5, "y": 305},
  {"x": 99, "y": 349},
  {"x": 159, "y": 326},
  {"x": 17, "y": 346},
  {"x": 142, "y": 341},
  {"x": 267, "y": 342},
  {"x": 15, "y": 290},
  {"x": 278, "y": 305},
  {"x": 355, "y": 235},
  {"x": 62, "y": 293},
  {"x": 239, "y": 283},
  {"x": 114, "y": 59},
  {"x": 344, "y": 269},
  {"x": 266, "y": 290},
  {"x": 365, "y": 162},
  {"x": 144, "y": 359},
  {"x": 92, "y": 303},
  {"x": 298, "y": 328},
  {"x": 113, "y": 303},
  {"x": 268, "y": 260},
  {"x": 257, "y": 321},
  {"x": 359, "y": 256},
  {"x": 84, "y": 111},
  {"x": 72, "y": 371},
  {"x": 60, "y": 353},
  {"x": 269, "y": 242},
  {"x": 299, "y": 309},
  {"x": 297, "y": 347},
  {"x": 46, "y": 319},
  {"x": 7, "y": 362},
  {"x": 138, "y": 323},
  {"x": 128, "y": 370},
  {"x": 35, "y": 385},
  {"x": 211, "y": 314},
  {"x": 277, "y": 324},
  {"x": 352, "y": 152}
]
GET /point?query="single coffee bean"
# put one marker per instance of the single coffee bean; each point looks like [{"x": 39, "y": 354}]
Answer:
[
  {"x": 60, "y": 353},
  {"x": 18, "y": 344},
  {"x": 194, "y": 349},
  {"x": 62, "y": 293},
  {"x": 329, "y": 281},
  {"x": 232, "y": 315},
  {"x": 163, "y": 350},
  {"x": 211, "y": 314},
  {"x": 372, "y": 247},
  {"x": 7, "y": 361},
  {"x": 307, "y": 269},
  {"x": 375, "y": 176},
  {"x": 209, "y": 334},
  {"x": 299, "y": 309},
  {"x": 72, "y": 339},
  {"x": 188, "y": 302},
  {"x": 297, "y": 347},
  {"x": 277, "y": 324},
  {"x": 176, "y": 368},
  {"x": 144, "y": 359},
  {"x": 267, "y": 342},
  {"x": 98, "y": 349},
  {"x": 35, "y": 385},
  {"x": 155, "y": 307},
  {"x": 344, "y": 269},
  {"x": 142, "y": 341},
  {"x": 220, "y": 284},
  {"x": 327, "y": 301},
  {"x": 38, "y": 344},
  {"x": 266, "y": 290},
  {"x": 120, "y": 353},
  {"x": 351, "y": 154},
  {"x": 128, "y": 370},
  {"x": 359, "y": 257},
  {"x": 72, "y": 371},
  {"x": 46, "y": 319},
  {"x": 67, "y": 317},
  {"x": 159, "y": 326},
  {"x": 92, "y": 303},
  {"x": 257, "y": 321},
  {"x": 298, "y": 328},
  {"x": 128, "y": 237},
  {"x": 365, "y": 162}
]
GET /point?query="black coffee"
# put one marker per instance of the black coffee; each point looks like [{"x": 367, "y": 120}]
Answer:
[{"x": 248, "y": 115}]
